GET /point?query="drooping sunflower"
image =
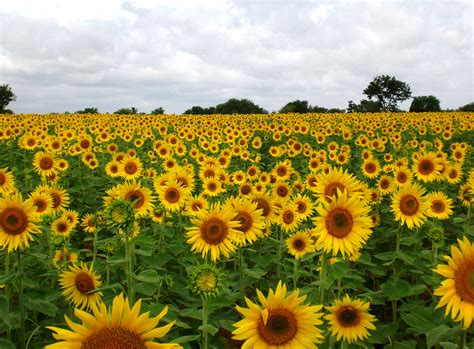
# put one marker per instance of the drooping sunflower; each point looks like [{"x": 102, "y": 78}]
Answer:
[
  {"x": 17, "y": 223},
  {"x": 214, "y": 231},
  {"x": 251, "y": 220},
  {"x": 280, "y": 321},
  {"x": 300, "y": 244},
  {"x": 78, "y": 285},
  {"x": 440, "y": 206},
  {"x": 465, "y": 194},
  {"x": 350, "y": 319},
  {"x": 343, "y": 225},
  {"x": 121, "y": 327},
  {"x": 409, "y": 206},
  {"x": 7, "y": 182},
  {"x": 457, "y": 290}
]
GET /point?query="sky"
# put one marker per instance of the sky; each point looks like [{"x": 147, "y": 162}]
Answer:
[{"x": 62, "y": 55}]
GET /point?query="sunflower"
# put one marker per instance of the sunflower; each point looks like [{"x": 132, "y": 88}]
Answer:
[
  {"x": 121, "y": 327},
  {"x": 173, "y": 195},
  {"x": 137, "y": 194},
  {"x": 343, "y": 225},
  {"x": 130, "y": 167},
  {"x": 63, "y": 256},
  {"x": 371, "y": 168},
  {"x": 60, "y": 198},
  {"x": 427, "y": 167},
  {"x": 185, "y": 177},
  {"x": 453, "y": 173},
  {"x": 269, "y": 209},
  {"x": 282, "y": 170},
  {"x": 457, "y": 290},
  {"x": 336, "y": 179},
  {"x": 7, "y": 182},
  {"x": 61, "y": 226},
  {"x": 304, "y": 206},
  {"x": 299, "y": 244},
  {"x": 17, "y": 223},
  {"x": 44, "y": 164},
  {"x": 280, "y": 321},
  {"x": 465, "y": 194},
  {"x": 87, "y": 223},
  {"x": 289, "y": 217},
  {"x": 439, "y": 205},
  {"x": 251, "y": 220},
  {"x": 402, "y": 175},
  {"x": 195, "y": 204},
  {"x": 42, "y": 201},
  {"x": 281, "y": 190},
  {"x": 214, "y": 231},
  {"x": 350, "y": 320},
  {"x": 212, "y": 187},
  {"x": 79, "y": 285},
  {"x": 386, "y": 185},
  {"x": 409, "y": 205},
  {"x": 112, "y": 168}
]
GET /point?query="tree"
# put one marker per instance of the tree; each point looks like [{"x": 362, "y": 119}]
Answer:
[
  {"x": 88, "y": 111},
  {"x": 126, "y": 111},
  {"x": 467, "y": 107},
  {"x": 425, "y": 104},
  {"x": 387, "y": 91},
  {"x": 197, "y": 110},
  {"x": 6, "y": 96},
  {"x": 239, "y": 106},
  {"x": 157, "y": 111},
  {"x": 296, "y": 107},
  {"x": 364, "y": 106}
]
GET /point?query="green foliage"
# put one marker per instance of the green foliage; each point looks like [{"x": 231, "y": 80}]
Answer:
[
  {"x": 467, "y": 107},
  {"x": 298, "y": 106},
  {"x": 388, "y": 92},
  {"x": 127, "y": 111},
  {"x": 425, "y": 104},
  {"x": 158, "y": 111},
  {"x": 364, "y": 106},
  {"x": 88, "y": 111},
  {"x": 197, "y": 110},
  {"x": 239, "y": 106},
  {"x": 6, "y": 96}
]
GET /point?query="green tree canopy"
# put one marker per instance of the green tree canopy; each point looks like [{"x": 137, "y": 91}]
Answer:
[
  {"x": 425, "y": 104},
  {"x": 197, "y": 110},
  {"x": 158, "y": 111},
  {"x": 296, "y": 106},
  {"x": 88, "y": 111},
  {"x": 467, "y": 107},
  {"x": 6, "y": 96},
  {"x": 239, "y": 106},
  {"x": 388, "y": 92},
  {"x": 364, "y": 106},
  {"x": 126, "y": 111}
]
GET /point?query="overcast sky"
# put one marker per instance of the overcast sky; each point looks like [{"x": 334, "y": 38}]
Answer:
[{"x": 67, "y": 55}]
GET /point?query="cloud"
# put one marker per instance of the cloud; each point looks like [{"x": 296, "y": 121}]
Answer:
[{"x": 148, "y": 54}]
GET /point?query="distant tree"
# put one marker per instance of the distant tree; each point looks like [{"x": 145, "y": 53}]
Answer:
[
  {"x": 425, "y": 104},
  {"x": 126, "y": 111},
  {"x": 197, "y": 110},
  {"x": 467, "y": 107},
  {"x": 6, "y": 96},
  {"x": 88, "y": 111},
  {"x": 364, "y": 106},
  {"x": 296, "y": 106},
  {"x": 387, "y": 91},
  {"x": 157, "y": 111},
  {"x": 239, "y": 106},
  {"x": 336, "y": 111}
]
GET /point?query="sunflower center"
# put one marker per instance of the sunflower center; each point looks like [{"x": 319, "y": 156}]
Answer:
[
  {"x": 281, "y": 327},
  {"x": 172, "y": 195},
  {"x": 245, "y": 220},
  {"x": 282, "y": 191},
  {"x": 301, "y": 207},
  {"x": 114, "y": 337},
  {"x": 384, "y": 183},
  {"x": 437, "y": 206},
  {"x": 331, "y": 188},
  {"x": 348, "y": 317},
  {"x": 453, "y": 174},
  {"x": 288, "y": 217},
  {"x": 281, "y": 171},
  {"x": 370, "y": 167},
  {"x": 299, "y": 244},
  {"x": 130, "y": 168},
  {"x": 402, "y": 177},
  {"x": 339, "y": 222},
  {"x": 196, "y": 206},
  {"x": 62, "y": 228},
  {"x": 13, "y": 221},
  {"x": 425, "y": 167},
  {"x": 409, "y": 205},
  {"x": 84, "y": 283},
  {"x": 137, "y": 197},
  {"x": 264, "y": 205},
  {"x": 212, "y": 186},
  {"x": 46, "y": 163},
  {"x": 40, "y": 205},
  {"x": 464, "y": 281},
  {"x": 184, "y": 182},
  {"x": 85, "y": 144},
  {"x": 213, "y": 231},
  {"x": 56, "y": 200}
]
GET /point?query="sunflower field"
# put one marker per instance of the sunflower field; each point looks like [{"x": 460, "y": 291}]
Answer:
[{"x": 237, "y": 231}]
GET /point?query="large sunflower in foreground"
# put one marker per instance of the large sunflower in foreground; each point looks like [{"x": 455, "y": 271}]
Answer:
[
  {"x": 78, "y": 286},
  {"x": 349, "y": 319},
  {"x": 457, "y": 290},
  {"x": 279, "y": 322},
  {"x": 121, "y": 327},
  {"x": 409, "y": 205},
  {"x": 343, "y": 225},
  {"x": 214, "y": 231},
  {"x": 17, "y": 222}
]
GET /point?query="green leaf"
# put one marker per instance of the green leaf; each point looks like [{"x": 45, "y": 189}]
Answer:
[
  {"x": 209, "y": 329},
  {"x": 150, "y": 276},
  {"x": 41, "y": 306},
  {"x": 448, "y": 345},
  {"x": 417, "y": 289},
  {"x": 4, "y": 344},
  {"x": 440, "y": 333},
  {"x": 255, "y": 273},
  {"x": 396, "y": 291},
  {"x": 386, "y": 256},
  {"x": 186, "y": 339},
  {"x": 146, "y": 288}
]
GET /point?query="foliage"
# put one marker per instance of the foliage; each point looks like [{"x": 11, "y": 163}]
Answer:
[
  {"x": 158, "y": 111},
  {"x": 298, "y": 106},
  {"x": 197, "y": 110},
  {"x": 239, "y": 106},
  {"x": 127, "y": 111},
  {"x": 6, "y": 96},
  {"x": 364, "y": 106},
  {"x": 467, "y": 107},
  {"x": 91, "y": 110},
  {"x": 387, "y": 91},
  {"x": 425, "y": 104}
]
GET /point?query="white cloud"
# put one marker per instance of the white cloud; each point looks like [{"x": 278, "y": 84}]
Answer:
[{"x": 61, "y": 56}]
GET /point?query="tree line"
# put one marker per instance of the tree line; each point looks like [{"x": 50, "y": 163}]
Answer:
[{"x": 384, "y": 93}]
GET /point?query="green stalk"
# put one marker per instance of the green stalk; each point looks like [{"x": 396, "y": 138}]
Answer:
[
  {"x": 205, "y": 314},
  {"x": 322, "y": 276},
  {"x": 462, "y": 340},
  {"x": 7, "y": 291},
  {"x": 468, "y": 219},
  {"x": 20, "y": 303},
  {"x": 241, "y": 268},
  {"x": 94, "y": 247},
  {"x": 295, "y": 274},
  {"x": 280, "y": 242},
  {"x": 129, "y": 266}
]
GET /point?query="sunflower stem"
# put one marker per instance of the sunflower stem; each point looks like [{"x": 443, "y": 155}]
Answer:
[
  {"x": 462, "y": 339},
  {"x": 280, "y": 242},
  {"x": 295, "y": 274},
  {"x": 241, "y": 268},
  {"x": 205, "y": 344},
  {"x": 20, "y": 303},
  {"x": 94, "y": 247},
  {"x": 322, "y": 276},
  {"x": 7, "y": 291},
  {"x": 468, "y": 219},
  {"x": 129, "y": 265},
  {"x": 435, "y": 253}
]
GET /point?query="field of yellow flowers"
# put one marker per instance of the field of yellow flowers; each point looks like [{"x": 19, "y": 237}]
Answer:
[{"x": 237, "y": 231}]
